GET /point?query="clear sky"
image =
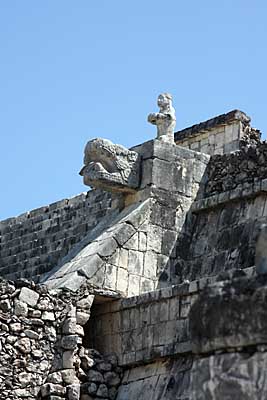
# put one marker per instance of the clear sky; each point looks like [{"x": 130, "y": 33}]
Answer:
[{"x": 74, "y": 70}]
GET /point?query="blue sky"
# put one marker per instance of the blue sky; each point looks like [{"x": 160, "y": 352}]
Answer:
[{"x": 74, "y": 70}]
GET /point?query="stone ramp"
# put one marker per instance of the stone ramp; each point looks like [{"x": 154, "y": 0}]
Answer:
[{"x": 103, "y": 262}]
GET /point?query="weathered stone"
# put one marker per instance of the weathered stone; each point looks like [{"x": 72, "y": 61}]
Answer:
[
  {"x": 48, "y": 316},
  {"x": 69, "y": 326},
  {"x": 68, "y": 359},
  {"x": 87, "y": 362},
  {"x": 95, "y": 376},
  {"x": 103, "y": 366},
  {"x": 69, "y": 376},
  {"x": 31, "y": 334},
  {"x": 24, "y": 345},
  {"x": 15, "y": 327},
  {"x": 92, "y": 388},
  {"x": 85, "y": 303},
  {"x": 112, "y": 379},
  {"x": 70, "y": 342},
  {"x": 28, "y": 296},
  {"x": 102, "y": 391},
  {"x": 20, "y": 308},
  {"x": 55, "y": 377},
  {"x": 82, "y": 317},
  {"x": 5, "y": 305},
  {"x": 73, "y": 392},
  {"x": 24, "y": 378},
  {"x": 50, "y": 388}
]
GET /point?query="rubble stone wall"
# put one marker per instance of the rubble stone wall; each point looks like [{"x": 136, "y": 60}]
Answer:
[
  {"x": 41, "y": 346},
  {"x": 33, "y": 243},
  {"x": 28, "y": 335},
  {"x": 232, "y": 171}
]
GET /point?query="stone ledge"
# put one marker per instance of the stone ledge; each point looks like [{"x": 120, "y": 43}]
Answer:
[
  {"x": 240, "y": 192},
  {"x": 220, "y": 120}
]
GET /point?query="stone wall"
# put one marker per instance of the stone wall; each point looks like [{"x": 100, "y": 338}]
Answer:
[
  {"x": 228, "y": 331},
  {"x": 41, "y": 346},
  {"x": 233, "y": 171},
  {"x": 33, "y": 243},
  {"x": 146, "y": 327},
  {"x": 28, "y": 336},
  {"x": 219, "y": 135},
  {"x": 219, "y": 236},
  {"x": 166, "y": 379}
]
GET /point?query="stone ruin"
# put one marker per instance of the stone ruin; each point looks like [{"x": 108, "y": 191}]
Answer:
[{"x": 153, "y": 284}]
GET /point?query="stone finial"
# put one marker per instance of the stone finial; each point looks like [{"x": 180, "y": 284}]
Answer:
[
  {"x": 165, "y": 119},
  {"x": 261, "y": 251},
  {"x": 110, "y": 166}
]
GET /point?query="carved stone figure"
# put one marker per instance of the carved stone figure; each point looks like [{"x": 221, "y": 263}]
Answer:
[
  {"x": 261, "y": 251},
  {"x": 165, "y": 119},
  {"x": 110, "y": 166}
]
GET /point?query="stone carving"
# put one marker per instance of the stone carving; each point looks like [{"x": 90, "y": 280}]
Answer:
[
  {"x": 110, "y": 166},
  {"x": 261, "y": 251},
  {"x": 165, "y": 119}
]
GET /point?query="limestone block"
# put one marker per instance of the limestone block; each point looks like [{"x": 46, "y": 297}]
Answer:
[
  {"x": 69, "y": 376},
  {"x": 110, "y": 276},
  {"x": 73, "y": 392},
  {"x": 70, "y": 342},
  {"x": 124, "y": 234},
  {"x": 146, "y": 285},
  {"x": 82, "y": 317},
  {"x": 134, "y": 285},
  {"x": 122, "y": 281},
  {"x": 55, "y": 377},
  {"x": 132, "y": 243},
  {"x": 154, "y": 238},
  {"x": 20, "y": 308},
  {"x": 123, "y": 258},
  {"x": 28, "y": 296},
  {"x": 150, "y": 264},
  {"x": 52, "y": 389},
  {"x": 135, "y": 262},
  {"x": 48, "y": 316},
  {"x": 68, "y": 359},
  {"x": 69, "y": 326},
  {"x": 86, "y": 302},
  {"x": 229, "y": 133},
  {"x": 237, "y": 131},
  {"x": 142, "y": 241}
]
